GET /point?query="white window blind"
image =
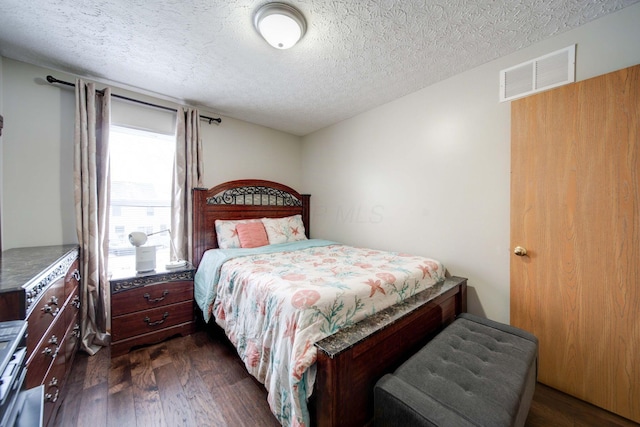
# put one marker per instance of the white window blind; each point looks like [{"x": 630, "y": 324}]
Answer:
[{"x": 141, "y": 172}]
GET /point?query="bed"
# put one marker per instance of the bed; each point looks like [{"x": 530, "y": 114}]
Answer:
[{"x": 347, "y": 363}]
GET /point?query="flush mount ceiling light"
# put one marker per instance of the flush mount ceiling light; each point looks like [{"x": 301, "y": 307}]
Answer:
[{"x": 280, "y": 25}]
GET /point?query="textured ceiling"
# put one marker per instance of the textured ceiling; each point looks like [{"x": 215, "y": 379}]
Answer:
[{"x": 356, "y": 55}]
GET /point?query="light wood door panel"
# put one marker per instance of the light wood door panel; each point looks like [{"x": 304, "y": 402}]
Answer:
[{"x": 575, "y": 206}]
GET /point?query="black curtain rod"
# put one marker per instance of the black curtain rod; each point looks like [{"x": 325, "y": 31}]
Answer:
[{"x": 52, "y": 79}]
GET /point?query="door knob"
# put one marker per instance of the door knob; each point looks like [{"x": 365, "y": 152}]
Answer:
[{"x": 520, "y": 251}]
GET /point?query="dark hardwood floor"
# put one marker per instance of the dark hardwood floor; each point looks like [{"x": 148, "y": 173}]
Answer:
[{"x": 199, "y": 381}]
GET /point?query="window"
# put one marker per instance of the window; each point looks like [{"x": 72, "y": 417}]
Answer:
[{"x": 141, "y": 173}]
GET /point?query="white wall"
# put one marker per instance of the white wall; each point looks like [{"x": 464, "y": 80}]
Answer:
[
  {"x": 37, "y": 160},
  {"x": 429, "y": 173},
  {"x": 241, "y": 150}
]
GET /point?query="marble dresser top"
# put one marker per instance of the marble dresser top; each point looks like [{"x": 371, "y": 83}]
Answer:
[
  {"x": 19, "y": 266},
  {"x": 348, "y": 337}
]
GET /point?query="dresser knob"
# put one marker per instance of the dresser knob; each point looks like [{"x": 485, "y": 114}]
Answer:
[
  {"x": 48, "y": 309},
  {"x": 53, "y": 398},
  {"x": 53, "y": 300},
  {"x": 53, "y": 340},
  {"x": 76, "y": 301}
]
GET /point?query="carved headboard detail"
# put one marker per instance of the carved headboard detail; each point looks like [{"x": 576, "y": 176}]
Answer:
[
  {"x": 254, "y": 196},
  {"x": 242, "y": 199}
]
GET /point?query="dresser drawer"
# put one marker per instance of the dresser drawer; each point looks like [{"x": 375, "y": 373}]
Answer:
[
  {"x": 71, "y": 341},
  {"x": 72, "y": 278},
  {"x": 53, "y": 383},
  {"x": 151, "y": 296},
  {"x": 47, "y": 309},
  {"x": 151, "y": 320},
  {"x": 44, "y": 354},
  {"x": 72, "y": 308}
]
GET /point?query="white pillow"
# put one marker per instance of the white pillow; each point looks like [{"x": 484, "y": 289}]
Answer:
[
  {"x": 227, "y": 234},
  {"x": 283, "y": 230}
]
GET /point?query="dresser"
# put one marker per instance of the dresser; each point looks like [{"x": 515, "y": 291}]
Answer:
[
  {"x": 147, "y": 308},
  {"x": 41, "y": 285}
]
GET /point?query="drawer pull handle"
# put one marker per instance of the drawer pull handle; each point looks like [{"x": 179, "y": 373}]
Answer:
[
  {"x": 53, "y": 340},
  {"x": 48, "y": 352},
  {"x": 76, "y": 331},
  {"x": 53, "y": 300},
  {"x": 76, "y": 275},
  {"x": 157, "y": 322},
  {"x": 52, "y": 397},
  {"x": 76, "y": 301},
  {"x": 147, "y": 296},
  {"x": 48, "y": 309}
]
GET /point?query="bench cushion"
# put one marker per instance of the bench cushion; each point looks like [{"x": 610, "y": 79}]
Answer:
[{"x": 476, "y": 372}]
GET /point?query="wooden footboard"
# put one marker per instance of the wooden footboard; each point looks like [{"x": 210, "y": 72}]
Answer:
[{"x": 351, "y": 361}]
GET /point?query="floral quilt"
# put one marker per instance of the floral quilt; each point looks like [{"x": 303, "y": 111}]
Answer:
[{"x": 275, "y": 302}]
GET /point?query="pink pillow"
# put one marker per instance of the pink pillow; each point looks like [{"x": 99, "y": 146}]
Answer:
[{"x": 252, "y": 235}]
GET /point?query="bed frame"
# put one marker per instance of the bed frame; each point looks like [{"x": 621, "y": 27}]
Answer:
[{"x": 350, "y": 362}]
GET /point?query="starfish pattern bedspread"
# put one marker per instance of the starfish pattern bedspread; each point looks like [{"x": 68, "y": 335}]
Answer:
[{"x": 276, "y": 301}]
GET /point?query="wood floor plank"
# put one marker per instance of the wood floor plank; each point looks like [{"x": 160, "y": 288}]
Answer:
[
  {"x": 567, "y": 411},
  {"x": 207, "y": 411},
  {"x": 119, "y": 374},
  {"x": 94, "y": 405},
  {"x": 232, "y": 413},
  {"x": 192, "y": 356},
  {"x": 159, "y": 355},
  {"x": 203, "y": 375},
  {"x": 146, "y": 397},
  {"x": 255, "y": 410},
  {"x": 121, "y": 408},
  {"x": 175, "y": 404},
  {"x": 97, "y": 369},
  {"x": 205, "y": 408}
]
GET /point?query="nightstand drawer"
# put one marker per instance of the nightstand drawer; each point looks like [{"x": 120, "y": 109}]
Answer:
[
  {"x": 146, "y": 321},
  {"x": 151, "y": 296}
]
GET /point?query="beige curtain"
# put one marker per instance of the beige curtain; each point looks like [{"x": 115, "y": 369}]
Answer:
[
  {"x": 91, "y": 180},
  {"x": 187, "y": 174}
]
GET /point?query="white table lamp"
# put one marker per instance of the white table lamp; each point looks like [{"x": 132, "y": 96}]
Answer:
[{"x": 146, "y": 255}]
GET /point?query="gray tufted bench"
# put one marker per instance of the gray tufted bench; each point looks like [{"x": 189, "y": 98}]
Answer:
[{"x": 476, "y": 372}]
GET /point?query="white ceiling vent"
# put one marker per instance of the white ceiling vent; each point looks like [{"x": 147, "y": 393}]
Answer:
[{"x": 545, "y": 72}]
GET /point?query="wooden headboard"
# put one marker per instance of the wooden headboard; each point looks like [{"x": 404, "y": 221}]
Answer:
[{"x": 242, "y": 199}]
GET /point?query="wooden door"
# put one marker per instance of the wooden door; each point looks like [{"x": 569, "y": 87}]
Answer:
[{"x": 575, "y": 208}]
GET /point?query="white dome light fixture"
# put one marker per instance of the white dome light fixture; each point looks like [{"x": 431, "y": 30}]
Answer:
[{"x": 280, "y": 24}]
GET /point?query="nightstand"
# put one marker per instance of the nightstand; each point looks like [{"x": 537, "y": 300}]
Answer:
[{"x": 147, "y": 308}]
